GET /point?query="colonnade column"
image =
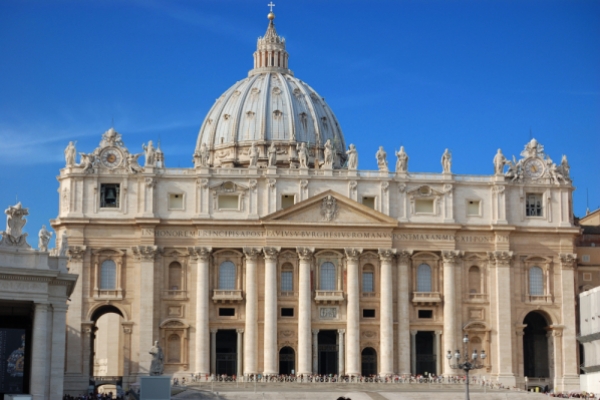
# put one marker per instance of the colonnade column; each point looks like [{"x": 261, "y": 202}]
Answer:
[
  {"x": 57, "y": 363},
  {"x": 451, "y": 314},
  {"x": 353, "y": 313},
  {"x": 239, "y": 360},
  {"x": 567, "y": 337},
  {"x": 270, "y": 330},
  {"x": 213, "y": 351},
  {"x": 439, "y": 354},
  {"x": 251, "y": 328},
  {"x": 315, "y": 351},
  {"x": 341, "y": 352},
  {"x": 413, "y": 352},
  {"x": 202, "y": 256},
  {"x": 304, "y": 304},
  {"x": 404, "y": 289},
  {"x": 39, "y": 352},
  {"x": 386, "y": 319}
]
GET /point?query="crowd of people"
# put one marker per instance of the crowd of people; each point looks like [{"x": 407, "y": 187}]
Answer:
[{"x": 98, "y": 396}]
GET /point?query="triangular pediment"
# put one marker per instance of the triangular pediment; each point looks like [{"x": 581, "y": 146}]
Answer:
[{"x": 330, "y": 208}]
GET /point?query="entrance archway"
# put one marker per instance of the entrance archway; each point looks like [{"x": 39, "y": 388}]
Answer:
[
  {"x": 287, "y": 361},
  {"x": 328, "y": 352},
  {"x": 226, "y": 362},
  {"x": 368, "y": 362},
  {"x": 535, "y": 346}
]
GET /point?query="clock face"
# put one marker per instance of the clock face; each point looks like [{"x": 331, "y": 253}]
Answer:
[
  {"x": 111, "y": 157},
  {"x": 534, "y": 168}
]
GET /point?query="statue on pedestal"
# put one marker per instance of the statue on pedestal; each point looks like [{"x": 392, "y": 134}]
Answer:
[
  {"x": 253, "y": 153},
  {"x": 446, "y": 162},
  {"x": 302, "y": 155},
  {"x": 352, "y": 158},
  {"x": 70, "y": 154},
  {"x": 272, "y": 153},
  {"x": 499, "y": 163},
  {"x": 44, "y": 239},
  {"x": 132, "y": 163},
  {"x": 14, "y": 236},
  {"x": 402, "y": 163},
  {"x": 64, "y": 245},
  {"x": 150, "y": 154},
  {"x": 328, "y": 154},
  {"x": 381, "y": 157},
  {"x": 157, "y": 364}
]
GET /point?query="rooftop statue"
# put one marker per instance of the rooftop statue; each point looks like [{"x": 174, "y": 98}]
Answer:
[
  {"x": 150, "y": 154},
  {"x": 87, "y": 162},
  {"x": 499, "y": 162},
  {"x": 352, "y": 158},
  {"x": 302, "y": 155},
  {"x": 447, "y": 162},
  {"x": 14, "y": 236},
  {"x": 328, "y": 154},
  {"x": 111, "y": 138},
  {"x": 70, "y": 154},
  {"x": 402, "y": 163},
  {"x": 272, "y": 153},
  {"x": 44, "y": 239},
  {"x": 64, "y": 245},
  {"x": 381, "y": 157},
  {"x": 253, "y": 153},
  {"x": 157, "y": 364},
  {"x": 132, "y": 163}
]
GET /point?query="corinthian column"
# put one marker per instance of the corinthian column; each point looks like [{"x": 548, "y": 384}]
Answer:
[
  {"x": 404, "y": 353},
  {"x": 386, "y": 319},
  {"x": 304, "y": 304},
  {"x": 451, "y": 314},
  {"x": 251, "y": 329},
  {"x": 201, "y": 255},
  {"x": 270, "y": 338},
  {"x": 146, "y": 255},
  {"x": 353, "y": 314}
]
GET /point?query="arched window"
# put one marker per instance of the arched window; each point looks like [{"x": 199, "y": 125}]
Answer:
[
  {"x": 287, "y": 278},
  {"x": 424, "y": 278},
  {"x": 227, "y": 275},
  {"x": 174, "y": 349},
  {"x": 474, "y": 280},
  {"x": 327, "y": 277},
  {"x": 536, "y": 281},
  {"x": 368, "y": 283},
  {"x": 108, "y": 275},
  {"x": 175, "y": 274}
]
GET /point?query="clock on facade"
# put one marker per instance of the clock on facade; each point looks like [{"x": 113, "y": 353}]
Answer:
[
  {"x": 111, "y": 157},
  {"x": 534, "y": 167}
]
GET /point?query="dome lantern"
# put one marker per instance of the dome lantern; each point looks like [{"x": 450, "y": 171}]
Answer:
[{"x": 270, "y": 54}]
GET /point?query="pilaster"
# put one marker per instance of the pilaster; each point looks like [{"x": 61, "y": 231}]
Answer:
[
  {"x": 74, "y": 313},
  {"x": 567, "y": 335},
  {"x": 404, "y": 338}
]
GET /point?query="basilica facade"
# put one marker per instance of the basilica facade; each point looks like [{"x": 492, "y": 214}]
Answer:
[{"x": 275, "y": 254}]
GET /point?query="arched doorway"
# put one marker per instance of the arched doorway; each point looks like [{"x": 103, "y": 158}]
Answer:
[
  {"x": 368, "y": 362},
  {"x": 107, "y": 350},
  {"x": 535, "y": 346},
  {"x": 287, "y": 361}
]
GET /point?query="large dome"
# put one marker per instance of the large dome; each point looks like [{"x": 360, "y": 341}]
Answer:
[{"x": 269, "y": 107}]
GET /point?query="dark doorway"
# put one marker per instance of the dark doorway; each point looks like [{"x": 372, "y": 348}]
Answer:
[
  {"x": 226, "y": 352},
  {"x": 16, "y": 343},
  {"x": 535, "y": 346},
  {"x": 328, "y": 352},
  {"x": 426, "y": 357},
  {"x": 368, "y": 362},
  {"x": 287, "y": 361}
]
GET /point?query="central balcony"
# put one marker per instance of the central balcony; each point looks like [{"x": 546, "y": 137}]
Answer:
[
  {"x": 227, "y": 295},
  {"x": 426, "y": 298},
  {"x": 329, "y": 296}
]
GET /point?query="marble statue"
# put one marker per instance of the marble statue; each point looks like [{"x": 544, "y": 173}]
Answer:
[
  {"x": 204, "y": 155},
  {"x": 272, "y": 153},
  {"x": 303, "y": 155},
  {"x": 499, "y": 163},
  {"x": 352, "y": 157},
  {"x": 446, "y": 162},
  {"x": 111, "y": 138},
  {"x": 14, "y": 236},
  {"x": 381, "y": 157},
  {"x": 253, "y": 153},
  {"x": 64, "y": 245},
  {"x": 70, "y": 154},
  {"x": 533, "y": 149},
  {"x": 564, "y": 168},
  {"x": 157, "y": 364},
  {"x": 328, "y": 154},
  {"x": 44, "y": 239},
  {"x": 87, "y": 162},
  {"x": 515, "y": 172},
  {"x": 150, "y": 154},
  {"x": 132, "y": 163},
  {"x": 402, "y": 163}
]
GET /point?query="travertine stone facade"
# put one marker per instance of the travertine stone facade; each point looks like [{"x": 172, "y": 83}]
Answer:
[{"x": 269, "y": 256}]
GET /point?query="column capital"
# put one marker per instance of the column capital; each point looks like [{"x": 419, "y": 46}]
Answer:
[
  {"x": 305, "y": 253},
  {"x": 341, "y": 331},
  {"x": 239, "y": 331},
  {"x": 315, "y": 331},
  {"x": 271, "y": 253},
  {"x": 438, "y": 333},
  {"x": 501, "y": 258},
  {"x": 127, "y": 327},
  {"x": 76, "y": 253},
  {"x": 145, "y": 253},
  {"x": 404, "y": 256},
  {"x": 251, "y": 253},
  {"x": 452, "y": 256},
  {"x": 200, "y": 253},
  {"x": 568, "y": 260},
  {"x": 353, "y": 254},
  {"x": 41, "y": 307},
  {"x": 214, "y": 330},
  {"x": 59, "y": 307},
  {"x": 413, "y": 333},
  {"x": 387, "y": 254}
]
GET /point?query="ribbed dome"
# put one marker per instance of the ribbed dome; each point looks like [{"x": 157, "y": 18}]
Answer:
[{"x": 270, "y": 106}]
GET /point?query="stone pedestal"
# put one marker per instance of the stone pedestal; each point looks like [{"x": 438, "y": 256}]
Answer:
[{"x": 155, "y": 388}]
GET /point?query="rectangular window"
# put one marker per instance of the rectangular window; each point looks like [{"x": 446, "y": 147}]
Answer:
[
  {"x": 369, "y": 202},
  {"x": 426, "y": 314},
  {"x": 287, "y": 200},
  {"x": 587, "y": 276},
  {"x": 368, "y": 286},
  {"x": 473, "y": 208},
  {"x": 226, "y": 312},
  {"x": 424, "y": 206},
  {"x": 287, "y": 312},
  {"x": 229, "y": 202},
  {"x": 175, "y": 201},
  {"x": 533, "y": 205},
  {"x": 287, "y": 283},
  {"x": 368, "y": 313},
  {"x": 109, "y": 195},
  {"x": 585, "y": 258}
]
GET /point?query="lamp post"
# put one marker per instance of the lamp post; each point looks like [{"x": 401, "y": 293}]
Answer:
[{"x": 467, "y": 364}]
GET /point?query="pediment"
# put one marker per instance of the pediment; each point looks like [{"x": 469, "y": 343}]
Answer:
[{"x": 330, "y": 208}]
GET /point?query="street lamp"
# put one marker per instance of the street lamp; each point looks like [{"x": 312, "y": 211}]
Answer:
[{"x": 468, "y": 364}]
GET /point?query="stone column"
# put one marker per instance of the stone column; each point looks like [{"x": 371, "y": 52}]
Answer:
[
  {"x": 270, "y": 337},
  {"x": 57, "y": 363},
  {"x": 213, "y": 350},
  {"x": 568, "y": 336},
  {"x": 386, "y": 319},
  {"x": 251, "y": 327},
  {"x": 127, "y": 330},
  {"x": 304, "y": 305},
  {"x": 413, "y": 352},
  {"x": 452, "y": 316},
  {"x": 201, "y": 255},
  {"x": 86, "y": 348},
  {"x": 503, "y": 323},
  {"x": 39, "y": 353},
  {"x": 74, "y": 313},
  {"x": 439, "y": 355},
  {"x": 146, "y": 255},
  {"x": 404, "y": 290},
  {"x": 353, "y": 313},
  {"x": 240, "y": 344},
  {"x": 519, "y": 332},
  {"x": 341, "y": 352},
  {"x": 315, "y": 351}
]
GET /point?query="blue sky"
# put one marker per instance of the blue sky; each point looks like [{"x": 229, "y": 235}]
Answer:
[{"x": 472, "y": 76}]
